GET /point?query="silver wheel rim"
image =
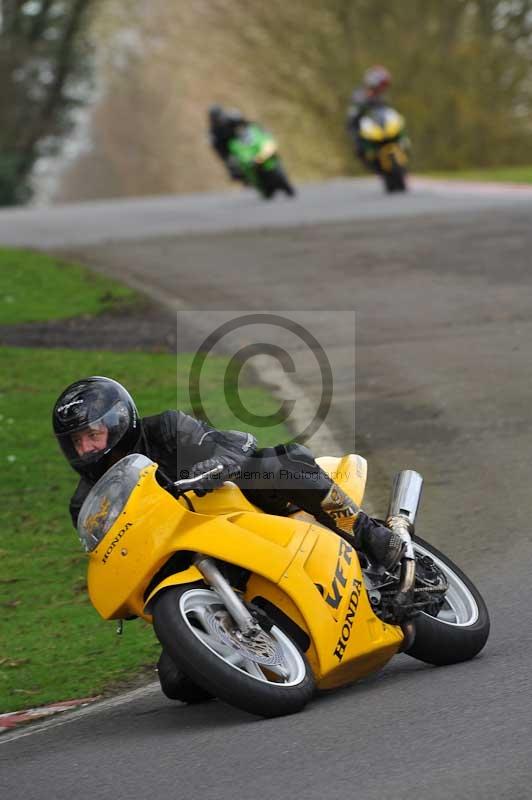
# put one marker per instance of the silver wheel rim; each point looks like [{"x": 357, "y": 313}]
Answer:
[
  {"x": 275, "y": 661},
  {"x": 460, "y": 608}
]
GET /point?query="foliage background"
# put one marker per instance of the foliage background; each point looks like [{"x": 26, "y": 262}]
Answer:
[
  {"x": 145, "y": 74},
  {"x": 45, "y": 60},
  {"x": 462, "y": 77}
]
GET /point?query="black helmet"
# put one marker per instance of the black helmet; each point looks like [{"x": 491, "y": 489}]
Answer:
[{"x": 99, "y": 405}]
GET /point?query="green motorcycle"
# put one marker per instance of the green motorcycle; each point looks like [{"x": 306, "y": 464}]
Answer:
[{"x": 255, "y": 154}]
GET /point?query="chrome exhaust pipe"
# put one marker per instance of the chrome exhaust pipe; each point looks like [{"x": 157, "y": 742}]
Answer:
[
  {"x": 406, "y": 496},
  {"x": 401, "y": 518},
  {"x": 409, "y": 633}
]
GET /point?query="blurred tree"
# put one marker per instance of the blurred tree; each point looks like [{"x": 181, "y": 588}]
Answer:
[
  {"x": 462, "y": 73},
  {"x": 160, "y": 67},
  {"x": 44, "y": 60}
]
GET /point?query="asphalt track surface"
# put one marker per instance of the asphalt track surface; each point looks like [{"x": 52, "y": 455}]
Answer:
[{"x": 441, "y": 284}]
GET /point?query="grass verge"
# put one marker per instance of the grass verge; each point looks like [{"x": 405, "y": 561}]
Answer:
[
  {"x": 35, "y": 287},
  {"x": 55, "y": 646},
  {"x": 502, "y": 174}
]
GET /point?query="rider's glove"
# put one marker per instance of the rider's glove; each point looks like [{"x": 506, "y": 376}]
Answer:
[{"x": 229, "y": 471}]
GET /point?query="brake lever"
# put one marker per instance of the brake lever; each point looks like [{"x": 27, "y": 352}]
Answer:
[{"x": 186, "y": 484}]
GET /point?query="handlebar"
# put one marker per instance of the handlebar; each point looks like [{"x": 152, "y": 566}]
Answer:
[{"x": 185, "y": 484}]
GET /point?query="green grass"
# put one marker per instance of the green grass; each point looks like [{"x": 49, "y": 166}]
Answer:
[
  {"x": 54, "y": 646},
  {"x": 36, "y": 287},
  {"x": 508, "y": 174}
]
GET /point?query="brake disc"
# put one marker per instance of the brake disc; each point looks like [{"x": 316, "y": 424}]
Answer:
[{"x": 260, "y": 648}]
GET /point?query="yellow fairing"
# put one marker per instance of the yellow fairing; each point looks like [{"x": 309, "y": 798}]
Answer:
[
  {"x": 392, "y": 125},
  {"x": 307, "y": 572},
  {"x": 154, "y": 526},
  {"x": 322, "y": 592},
  {"x": 349, "y": 472},
  {"x": 390, "y": 153},
  {"x": 190, "y": 575},
  {"x": 370, "y": 130}
]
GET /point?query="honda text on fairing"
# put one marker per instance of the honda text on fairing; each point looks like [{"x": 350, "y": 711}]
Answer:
[
  {"x": 261, "y": 610},
  {"x": 255, "y": 152},
  {"x": 383, "y": 146}
]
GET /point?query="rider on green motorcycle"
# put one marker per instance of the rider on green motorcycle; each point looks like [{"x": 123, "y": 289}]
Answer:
[{"x": 223, "y": 127}]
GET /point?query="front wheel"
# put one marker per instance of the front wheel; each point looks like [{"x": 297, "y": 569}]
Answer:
[
  {"x": 395, "y": 179},
  {"x": 268, "y": 676},
  {"x": 284, "y": 184},
  {"x": 461, "y": 628},
  {"x": 273, "y": 180}
]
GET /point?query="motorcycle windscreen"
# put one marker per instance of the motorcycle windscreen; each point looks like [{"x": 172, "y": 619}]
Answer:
[{"x": 107, "y": 499}]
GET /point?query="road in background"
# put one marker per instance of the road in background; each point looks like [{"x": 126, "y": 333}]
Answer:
[
  {"x": 441, "y": 284},
  {"x": 333, "y": 201}
]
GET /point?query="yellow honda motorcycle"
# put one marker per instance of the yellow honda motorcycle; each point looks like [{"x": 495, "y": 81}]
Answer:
[
  {"x": 384, "y": 145},
  {"x": 260, "y": 610}
]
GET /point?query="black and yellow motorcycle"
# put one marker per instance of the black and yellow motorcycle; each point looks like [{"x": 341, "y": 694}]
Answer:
[{"x": 383, "y": 146}]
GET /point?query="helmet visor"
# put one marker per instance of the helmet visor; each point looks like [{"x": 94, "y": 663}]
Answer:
[{"x": 92, "y": 441}]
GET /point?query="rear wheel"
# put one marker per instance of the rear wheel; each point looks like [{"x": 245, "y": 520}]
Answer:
[
  {"x": 461, "y": 628},
  {"x": 267, "y": 675}
]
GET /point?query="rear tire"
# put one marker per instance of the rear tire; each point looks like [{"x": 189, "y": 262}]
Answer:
[
  {"x": 443, "y": 640},
  {"x": 192, "y": 625}
]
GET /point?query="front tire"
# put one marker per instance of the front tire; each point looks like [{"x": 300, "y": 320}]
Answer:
[
  {"x": 462, "y": 626},
  {"x": 274, "y": 180},
  {"x": 269, "y": 679},
  {"x": 395, "y": 180},
  {"x": 284, "y": 184}
]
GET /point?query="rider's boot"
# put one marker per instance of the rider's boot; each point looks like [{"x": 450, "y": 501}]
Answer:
[
  {"x": 382, "y": 546},
  {"x": 176, "y": 685}
]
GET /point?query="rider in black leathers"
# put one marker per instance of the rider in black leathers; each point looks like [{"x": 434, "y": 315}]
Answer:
[
  {"x": 96, "y": 423},
  {"x": 224, "y": 126}
]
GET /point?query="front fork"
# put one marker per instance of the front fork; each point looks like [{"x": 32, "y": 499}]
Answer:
[{"x": 245, "y": 621}]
